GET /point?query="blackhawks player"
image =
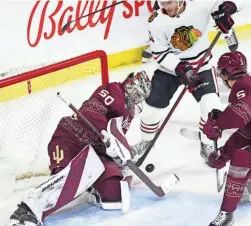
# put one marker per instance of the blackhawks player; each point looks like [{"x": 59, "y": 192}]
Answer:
[
  {"x": 79, "y": 160},
  {"x": 232, "y": 68},
  {"x": 179, "y": 38},
  {"x": 231, "y": 40}
]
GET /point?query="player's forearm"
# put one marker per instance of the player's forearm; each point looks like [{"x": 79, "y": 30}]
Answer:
[{"x": 235, "y": 116}]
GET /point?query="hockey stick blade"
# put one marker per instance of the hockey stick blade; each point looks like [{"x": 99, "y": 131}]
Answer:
[
  {"x": 189, "y": 134},
  {"x": 219, "y": 184},
  {"x": 160, "y": 191},
  {"x": 68, "y": 24}
]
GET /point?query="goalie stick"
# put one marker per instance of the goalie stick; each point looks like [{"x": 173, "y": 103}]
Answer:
[
  {"x": 142, "y": 159},
  {"x": 158, "y": 190},
  {"x": 68, "y": 24}
]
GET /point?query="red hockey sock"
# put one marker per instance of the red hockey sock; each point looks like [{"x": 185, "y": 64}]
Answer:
[{"x": 233, "y": 192}]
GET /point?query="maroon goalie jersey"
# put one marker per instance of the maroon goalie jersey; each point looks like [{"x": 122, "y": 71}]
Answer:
[{"x": 107, "y": 101}]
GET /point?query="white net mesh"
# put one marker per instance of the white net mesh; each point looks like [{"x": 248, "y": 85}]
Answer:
[{"x": 30, "y": 109}]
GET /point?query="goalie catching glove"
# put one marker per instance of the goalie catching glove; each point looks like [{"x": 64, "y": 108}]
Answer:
[{"x": 118, "y": 148}]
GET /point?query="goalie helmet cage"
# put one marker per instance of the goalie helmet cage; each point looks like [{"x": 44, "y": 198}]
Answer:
[{"x": 31, "y": 110}]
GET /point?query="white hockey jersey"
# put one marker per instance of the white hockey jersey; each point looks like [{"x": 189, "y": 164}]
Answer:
[{"x": 182, "y": 38}]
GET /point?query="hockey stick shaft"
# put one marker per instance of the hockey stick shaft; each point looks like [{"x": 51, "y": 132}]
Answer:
[
  {"x": 159, "y": 191},
  {"x": 218, "y": 181},
  {"x": 207, "y": 53},
  {"x": 68, "y": 24}
]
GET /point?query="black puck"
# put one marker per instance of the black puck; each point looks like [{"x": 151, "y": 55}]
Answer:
[{"x": 150, "y": 168}]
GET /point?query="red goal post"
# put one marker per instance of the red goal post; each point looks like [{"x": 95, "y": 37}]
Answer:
[
  {"x": 29, "y": 110},
  {"x": 28, "y": 75}
]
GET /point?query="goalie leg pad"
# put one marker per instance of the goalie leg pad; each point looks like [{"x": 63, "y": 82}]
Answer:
[
  {"x": 65, "y": 186},
  {"x": 122, "y": 190},
  {"x": 113, "y": 190},
  {"x": 108, "y": 184}
]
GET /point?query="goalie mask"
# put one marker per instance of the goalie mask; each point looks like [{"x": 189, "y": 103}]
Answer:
[{"x": 137, "y": 87}]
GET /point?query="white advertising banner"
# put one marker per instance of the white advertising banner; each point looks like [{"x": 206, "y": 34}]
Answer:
[{"x": 31, "y": 31}]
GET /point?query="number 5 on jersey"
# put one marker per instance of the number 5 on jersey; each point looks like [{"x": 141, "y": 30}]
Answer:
[
  {"x": 241, "y": 94},
  {"x": 107, "y": 98}
]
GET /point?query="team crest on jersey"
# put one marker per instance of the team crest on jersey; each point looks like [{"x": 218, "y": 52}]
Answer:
[{"x": 185, "y": 37}]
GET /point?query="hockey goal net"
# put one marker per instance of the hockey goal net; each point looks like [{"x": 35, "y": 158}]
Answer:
[{"x": 30, "y": 108}]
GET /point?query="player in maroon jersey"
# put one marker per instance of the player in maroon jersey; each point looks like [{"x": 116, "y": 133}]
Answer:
[
  {"x": 232, "y": 68},
  {"x": 79, "y": 159}
]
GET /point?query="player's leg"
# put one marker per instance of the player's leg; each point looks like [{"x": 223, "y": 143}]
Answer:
[
  {"x": 71, "y": 180},
  {"x": 207, "y": 95},
  {"x": 111, "y": 190},
  {"x": 237, "y": 178},
  {"x": 164, "y": 85}
]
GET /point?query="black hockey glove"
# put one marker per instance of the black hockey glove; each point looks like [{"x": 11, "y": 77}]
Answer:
[
  {"x": 215, "y": 113},
  {"x": 185, "y": 73},
  {"x": 222, "y": 17}
]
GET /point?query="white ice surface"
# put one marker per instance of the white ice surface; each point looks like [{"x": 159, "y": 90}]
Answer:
[{"x": 194, "y": 202}]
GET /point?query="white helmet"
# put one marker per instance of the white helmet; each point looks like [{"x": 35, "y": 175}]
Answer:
[{"x": 137, "y": 87}]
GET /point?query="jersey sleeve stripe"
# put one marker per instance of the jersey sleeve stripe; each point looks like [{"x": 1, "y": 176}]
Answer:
[
  {"x": 162, "y": 58},
  {"x": 160, "y": 52},
  {"x": 195, "y": 57}
]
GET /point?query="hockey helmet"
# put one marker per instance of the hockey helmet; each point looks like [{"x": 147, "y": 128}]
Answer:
[
  {"x": 232, "y": 65},
  {"x": 137, "y": 87}
]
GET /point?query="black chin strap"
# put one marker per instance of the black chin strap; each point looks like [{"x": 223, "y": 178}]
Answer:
[{"x": 226, "y": 81}]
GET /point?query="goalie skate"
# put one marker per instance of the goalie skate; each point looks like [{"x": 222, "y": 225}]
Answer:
[
  {"x": 223, "y": 219},
  {"x": 23, "y": 216}
]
